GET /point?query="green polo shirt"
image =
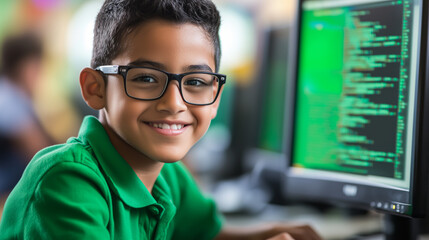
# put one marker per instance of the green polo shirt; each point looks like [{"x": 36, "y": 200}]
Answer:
[{"x": 84, "y": 189}]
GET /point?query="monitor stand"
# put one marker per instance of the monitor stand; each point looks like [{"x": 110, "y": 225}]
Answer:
[{"x": 400, "y": 228}]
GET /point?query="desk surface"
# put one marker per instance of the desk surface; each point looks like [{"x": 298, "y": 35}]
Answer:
[{"x": 331, "y": 225}]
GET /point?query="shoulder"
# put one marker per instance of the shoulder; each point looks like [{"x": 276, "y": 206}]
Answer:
[
  {"x": 66, "y": 162},
  {"x": 63, "y": 178},
  {"x": 71, "y": 153}
]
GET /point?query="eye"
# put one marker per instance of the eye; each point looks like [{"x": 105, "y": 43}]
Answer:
[
  {"x": 196, "y": 82},
  {"x": 144, "y": 79}
]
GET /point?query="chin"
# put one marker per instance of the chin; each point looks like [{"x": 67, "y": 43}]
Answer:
[
  {"x": 168, "y": 158},
  {"x": 168, "y": 155}
]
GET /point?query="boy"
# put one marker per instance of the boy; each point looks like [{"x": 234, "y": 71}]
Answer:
[{"x": 120, "y": 179}]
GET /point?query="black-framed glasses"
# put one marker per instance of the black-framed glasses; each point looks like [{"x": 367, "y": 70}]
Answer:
[{"x": 145, "y": 83}]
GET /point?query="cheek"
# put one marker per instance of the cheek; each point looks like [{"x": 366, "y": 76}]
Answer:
[
  {"x": 121, "y": 109},
  {"x": 115, "y": 103},
  {"x": 204, "y": 117}
]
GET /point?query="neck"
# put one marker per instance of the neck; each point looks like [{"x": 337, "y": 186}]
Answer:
[
  {"x": 149, "y": 176},
  {"x": 146, "y": 169}
]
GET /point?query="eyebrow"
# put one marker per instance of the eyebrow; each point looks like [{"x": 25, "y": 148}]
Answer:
[
  {"x": 190, "y": 68},
  {"x": 145, "y": 63},
  {"x": 200, "y": 67}
]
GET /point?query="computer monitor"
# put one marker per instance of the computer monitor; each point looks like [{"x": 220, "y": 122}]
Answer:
[{"x": 358, "y": 133}]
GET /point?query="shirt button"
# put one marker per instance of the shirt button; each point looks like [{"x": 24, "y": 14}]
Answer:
[{"x": 154, "y": 210}]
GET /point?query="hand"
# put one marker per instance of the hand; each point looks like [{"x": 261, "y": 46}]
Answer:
[
  {"x": 270, "y": 232},
  {"x": 283, "y": 236},
  {"x": 289, "y": 232}
]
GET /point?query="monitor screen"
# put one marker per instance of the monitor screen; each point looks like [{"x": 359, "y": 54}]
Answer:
[{"x": 357, "y": 103}]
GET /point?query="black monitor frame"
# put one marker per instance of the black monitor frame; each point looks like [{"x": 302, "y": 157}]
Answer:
[{"x": 298, "y": 187}]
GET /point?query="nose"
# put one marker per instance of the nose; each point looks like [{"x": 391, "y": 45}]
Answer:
[{"x": 171, "y": 101}]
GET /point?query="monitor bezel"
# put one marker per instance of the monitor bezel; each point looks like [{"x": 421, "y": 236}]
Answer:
[{"x": 366, "y": 196}]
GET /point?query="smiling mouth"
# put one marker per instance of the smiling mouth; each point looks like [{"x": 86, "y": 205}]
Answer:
[{"x": 167, "y": 126}]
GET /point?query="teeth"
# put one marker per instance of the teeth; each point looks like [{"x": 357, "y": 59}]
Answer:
[{"x": 166, "y": 126}]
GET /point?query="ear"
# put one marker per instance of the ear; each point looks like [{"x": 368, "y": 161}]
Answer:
[
  {"x": 215, "y": 105},
  {"x": 93, "y": 88}
]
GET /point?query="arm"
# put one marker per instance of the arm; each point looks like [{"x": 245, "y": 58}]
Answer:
[{"x": 269, "y": 231}]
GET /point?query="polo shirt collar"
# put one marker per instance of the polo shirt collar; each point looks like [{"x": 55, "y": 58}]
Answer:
[{"x": 119, "y": 174}]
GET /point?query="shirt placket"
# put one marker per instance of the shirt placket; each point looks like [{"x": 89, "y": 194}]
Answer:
[{"x": 167, "y": 210}]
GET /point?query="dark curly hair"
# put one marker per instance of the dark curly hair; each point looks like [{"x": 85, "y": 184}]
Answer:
[{"x": 117, "y": 18}]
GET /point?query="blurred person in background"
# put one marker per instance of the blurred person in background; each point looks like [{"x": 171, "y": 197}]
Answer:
[{"x": 21, "y": 134}]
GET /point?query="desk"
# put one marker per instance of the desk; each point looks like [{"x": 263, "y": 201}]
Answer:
[{"x": 331, "y": 225}]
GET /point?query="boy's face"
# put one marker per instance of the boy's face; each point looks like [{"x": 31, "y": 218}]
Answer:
[{"x": 174, "y": 48}]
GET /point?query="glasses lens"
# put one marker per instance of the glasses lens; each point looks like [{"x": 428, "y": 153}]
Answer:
[
  {"x": 200, "y": 88},
  {"x": 145, "y": 83}
]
